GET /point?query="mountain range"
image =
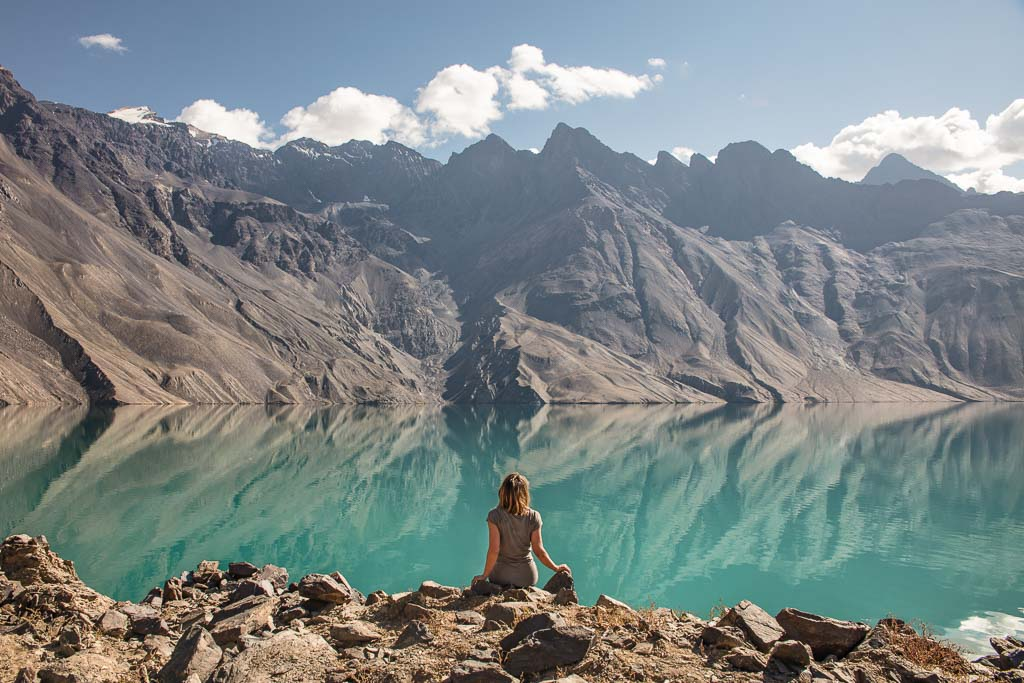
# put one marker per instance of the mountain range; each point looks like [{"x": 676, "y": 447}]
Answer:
[{"x": 146, "y": 261}]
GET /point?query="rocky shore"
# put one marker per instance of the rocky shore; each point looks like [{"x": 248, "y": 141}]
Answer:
[{"x": 245, "y": 623}]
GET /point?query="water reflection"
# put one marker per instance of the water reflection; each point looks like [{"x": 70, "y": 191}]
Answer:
[{"x": 854, "y": 511}]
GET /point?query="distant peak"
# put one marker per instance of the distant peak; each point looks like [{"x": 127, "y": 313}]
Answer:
[
  {"x": 577, "y": 141},
  {"x": 744, "y": 153},
  {"x": 137, "y": 115},
  {"x": 895, "y": 167},
  {"x": 667, "y": 160}
]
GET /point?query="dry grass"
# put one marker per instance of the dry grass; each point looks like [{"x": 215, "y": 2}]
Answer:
[
  {"x": 922, "y": 647},
  {"x": 717, "y": 610}
]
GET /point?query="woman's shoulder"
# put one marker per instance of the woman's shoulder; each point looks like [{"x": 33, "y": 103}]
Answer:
[
  {"x": 495, "y": 514},
  {"x": 534, "y": 516}
]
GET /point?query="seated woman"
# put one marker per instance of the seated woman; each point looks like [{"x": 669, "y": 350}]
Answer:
[{"x": 514, "y": 530}]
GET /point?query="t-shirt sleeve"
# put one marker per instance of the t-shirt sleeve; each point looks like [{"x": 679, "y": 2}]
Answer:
[
  {"x": 537, "y": 521},
  {"x": 492, "y": 516}
]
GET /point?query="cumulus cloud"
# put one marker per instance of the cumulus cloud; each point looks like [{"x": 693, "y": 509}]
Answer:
[
  {"x": 350, "y": 114},
  {"x": 656, "y": 63},
  {"x": 954, "y": 144},
  {"x": 243, "y": 125},
  {"x": 104, "y": 41},
  {"x": 461, "y": 100},
  {"x": 683, "y": 153}
]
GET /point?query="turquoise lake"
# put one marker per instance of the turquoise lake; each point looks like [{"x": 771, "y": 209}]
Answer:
[{"x": 854, "y": 511}]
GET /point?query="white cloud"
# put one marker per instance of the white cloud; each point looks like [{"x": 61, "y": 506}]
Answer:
[
  {"x": 350, "y": 114},
  {"x": 656, "y": 62},
  {"x": 104, "y": 41},
  {"x": 243, "y": 125},
  {"x": 683, "y": 153},
  {"x": 575, "y": 84},
  {"x": 461, "y": 100},
  {"x": 954, "y": 144},
  {"x": 524, "y": 93}
]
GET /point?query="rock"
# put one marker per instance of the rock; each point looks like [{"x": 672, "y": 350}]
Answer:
[
  {"x": 144, "y": 625},
  {"x": 791, "y": 653},
  {"x": 492, "y": 625},
  {"x": 1004, "y": 645},
  {"x": 435, "y": 590},
  {"x": 247, "y": 588},
  {"x": 531, "y": 594},
  {"x": 508, "y": 612},
  {"x": 159, "y": 646},
  {"x": 70, "y": 640},
  {"x": 567, "y": 596},
  {"x": 30, "y": 561},
  {"x": 611, "y": 603},
  {"x": 485, "y": 588},
  {"x": 560, "y": 581},
  {"x": 825, "y": 636},
  {"x": 529, "y": 626},
  {"x": 277, "y": 576},
  {"x": 84, "y": 667},
  {"x": 196, "y": 653},
  {"x": 193, "y": 617},
  {"x": 550, "y": 648},
  {"x": 411, "y": 610},
  {"x": 242, "y": 570},
  {"x": 472, "y": 671},
  {"x": 327, "y": 589},
  {"x": 172, "y": 589},
  {"x": 207, "y": 572},
  {"x": 416, "y": 633},
  {"x": 285, "y": 656},
  {"x": 354, "y": 633},
  {"x": 244, "y": 617},
  {"x": 113, "y": 623},
  {"x": 469, "y": 617},
  {"x": 723, "y": 637},
  {"x": 571, "y": 678},
  {"x": 746, "y": 659},
  {"x": 759, "y": 627},
  {"x": 154, "y": 598},
  {"x": 26, "y": 674},
  {"x": 375, "y": 597}
]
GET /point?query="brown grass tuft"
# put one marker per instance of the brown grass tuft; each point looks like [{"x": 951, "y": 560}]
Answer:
[{"x": 928, "y": 651}]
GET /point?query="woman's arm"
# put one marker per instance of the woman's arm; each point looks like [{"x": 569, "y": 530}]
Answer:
[
  {"x": 493, "y": 544},
  {"x": 538, "y": 549}
]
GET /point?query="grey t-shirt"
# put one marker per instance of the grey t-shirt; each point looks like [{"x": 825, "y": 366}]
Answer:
[{"x": 515, "y": 531}]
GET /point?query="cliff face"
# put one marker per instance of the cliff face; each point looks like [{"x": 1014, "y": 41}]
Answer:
[{"x": 151, "y": 262}]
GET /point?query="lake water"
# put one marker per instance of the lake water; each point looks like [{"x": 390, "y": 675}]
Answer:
[{"x": 854, "y": 511}]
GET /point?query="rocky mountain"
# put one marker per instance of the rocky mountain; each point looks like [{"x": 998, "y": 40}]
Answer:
[
  {"x": 146, "y": 261},
  {"x": 895, "y": 168}
]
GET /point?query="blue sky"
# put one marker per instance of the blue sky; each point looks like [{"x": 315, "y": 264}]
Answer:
[{"x": 785, "y": 74}]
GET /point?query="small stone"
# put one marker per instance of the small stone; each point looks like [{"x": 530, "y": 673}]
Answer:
[
  {"x": 241, "y": 570},
  {"x": 746, "y": 659},
  {"x": 791, "y": 653},
  {"x": 611, "y": 603},
  {"x": 277, "y": 576},
  {"x": 472, "y": 671},
  {"x": 469, "y": 617},
  {"x": 207, "y": 572},
  {"x": 375, "y": 597},
  {"x": 722, "y": 637},
  {"x": 560, "y": 581},
  {"x": 567, "y": 596},
  {"x": 509, "y": 612},
  {"x": 413, "y": 611},
  {"x": 355, "y": 633},
  {"x": 759, "y": 627},
  {"x": 415, "y": 633},
  {"x": 492, "y": 625},
  {"x": 327, "y": 589},
  {"x": 432, "y": 589},
  {"x": 158, "y": 645},
  {"x": 154, "y": 598},
  {"x": 69, "y": 641},
  {"x": 150, "y": 626},
  {"x": 172, "y": 589},
  {"x": 113, "y": 624}
]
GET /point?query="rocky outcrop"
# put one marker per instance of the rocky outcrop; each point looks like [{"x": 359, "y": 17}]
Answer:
[
  {"x": 209, "y": 637},
  {"x": 826, "y": 637}
]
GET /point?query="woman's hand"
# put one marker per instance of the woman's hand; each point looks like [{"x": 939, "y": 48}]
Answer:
[
  {"x": 563, "y": 568},
  {"x": 479, "y": 577}
]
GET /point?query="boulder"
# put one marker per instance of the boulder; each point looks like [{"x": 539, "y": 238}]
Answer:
[
  {"x": 411, "y": 610},
  {"x": 150, "y": 626},
  {"x": 559, "y": 581},
  {"x": 759, "y": 627},
  {"x": 529, "y": 626},
  {"x": 746, "y": 659},
  {"x": 416, "y": 633},
  {"x": 611, "y": 603},
  {"x": 550, "y": 648},
  {"x": 432, "y": 589},
  {"x": 241, "y": 618},
  {"x": 158, "y": 646},
  {"x": 722, "y": 637},
  {"x": 472, "y": 671},
  {"x": 469, "y": 617},
  {"x": 509, "y": 612},
  {"x": 792, "y": 653},
  {"x": 84, "y": 667},
  {"x": 277, "y": 576},
  {"x": 375, "y": 597},
  {"x": 172, "y": 589},
  {"x": 30, "y": 561},
  {"x": 285, "y": 656},
  {"x": 113, "y": 623},
  {"x": 70, "y": 640},
  {"x": 566, "y": 596},
  {"x": 354, "y": 633},
  {"x": 485, "y": 588},
  {"x": 208, "y": 572},
  {"x": 825, "y": 636},
  {"x": 241, "y": 570},
  {"x": 327, "y": 589},
  {"x": 531, "y": 594},
  {"x": 247, "y": 588}
]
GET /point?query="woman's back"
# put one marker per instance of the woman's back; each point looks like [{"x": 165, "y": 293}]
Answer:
[{"x": 516, "y": 533}]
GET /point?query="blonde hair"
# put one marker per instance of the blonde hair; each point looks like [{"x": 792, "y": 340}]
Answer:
[{"x": 514, "y": 494}]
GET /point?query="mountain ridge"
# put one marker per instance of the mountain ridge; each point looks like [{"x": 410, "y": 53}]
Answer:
[{"x": 198, "y": 269}]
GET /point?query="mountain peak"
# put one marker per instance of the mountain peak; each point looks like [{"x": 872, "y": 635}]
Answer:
[
  {"x": 895, "y": 167},
  {"x": 745, "y": 153},
  {"x": 137, "y": 115},
  {"x": 577, "y": 141}
]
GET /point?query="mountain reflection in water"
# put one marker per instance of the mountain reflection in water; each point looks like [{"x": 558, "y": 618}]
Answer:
[{"x": 853, "y": 511}]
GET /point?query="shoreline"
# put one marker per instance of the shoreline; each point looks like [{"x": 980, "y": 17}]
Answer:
[{"x": 246, "y": 623}]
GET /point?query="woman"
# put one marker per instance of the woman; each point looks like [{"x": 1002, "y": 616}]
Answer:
[{"x": 514, "y": 530}]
